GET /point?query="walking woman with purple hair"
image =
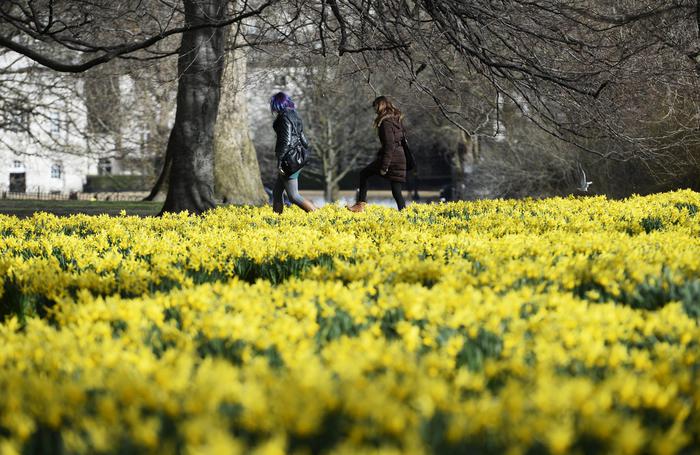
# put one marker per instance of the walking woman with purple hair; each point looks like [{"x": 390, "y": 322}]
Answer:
[
  {"x": 290, "y": 134},
  {"x": 391, "y": 159}
]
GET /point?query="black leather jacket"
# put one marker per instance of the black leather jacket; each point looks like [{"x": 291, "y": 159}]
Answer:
[{"x": 290, "y": 132}]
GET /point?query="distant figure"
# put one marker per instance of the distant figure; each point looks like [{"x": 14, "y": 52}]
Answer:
[
  {"x": 583, "y": 183},
  {"x": 290, "y": 134},
  {"x": 391, "y": 160},
  {"x": 416, "y": 196}
]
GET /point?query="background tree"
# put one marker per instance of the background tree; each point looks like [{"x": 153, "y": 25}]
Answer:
[
  {"x": 585, "y": 76},
  {"x": 236, "y": 170},
  {"x": 338, "y": 112},
  {"x": 115, "y": 111},
  {"x": 564, "y": 64},
  {"x": 78, "y": 28},
  {"x": 200, "y": 66},
  {"x": 38, "y": 108}
]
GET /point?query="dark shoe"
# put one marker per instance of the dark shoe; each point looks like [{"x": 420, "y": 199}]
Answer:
[{"x": 277, "y": 208}]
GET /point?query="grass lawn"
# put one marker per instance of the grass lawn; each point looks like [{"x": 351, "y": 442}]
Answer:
[{"x": 25, "y": 208}]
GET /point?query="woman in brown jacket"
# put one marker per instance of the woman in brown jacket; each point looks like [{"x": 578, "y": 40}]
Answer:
[{"x": 391, "y": 160}]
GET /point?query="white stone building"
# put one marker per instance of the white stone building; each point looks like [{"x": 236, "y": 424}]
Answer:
[
  {"x": 36, "y": 174},
  {"x": 52, "y": 151},
  {"x": 34, "y": 140},
  {"x": 45, "y": 146}
]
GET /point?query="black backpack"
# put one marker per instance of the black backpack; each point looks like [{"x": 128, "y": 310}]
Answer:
[{"x": 297, "y": 157}]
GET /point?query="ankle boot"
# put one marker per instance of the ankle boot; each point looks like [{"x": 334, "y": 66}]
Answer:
[
  {"x": 277, "y": 208},
  {"x": 358, "y": 207},
  {"x": 308, "y": 206}
]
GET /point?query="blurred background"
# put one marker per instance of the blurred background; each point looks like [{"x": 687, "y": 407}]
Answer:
[{"x": 547, "y": 102}]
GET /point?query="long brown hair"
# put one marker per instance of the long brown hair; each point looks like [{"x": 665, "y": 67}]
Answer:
[{"x": 385, "y": 109}]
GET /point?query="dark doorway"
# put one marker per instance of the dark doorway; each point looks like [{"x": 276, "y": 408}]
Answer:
[{"x": 18, "y": 182}]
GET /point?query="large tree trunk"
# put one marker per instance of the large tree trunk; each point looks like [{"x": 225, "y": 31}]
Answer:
[
  {"x": 236, "y": 171},
  {"x": 200, "y": 66},
  {"x": 164, "y": 173}
]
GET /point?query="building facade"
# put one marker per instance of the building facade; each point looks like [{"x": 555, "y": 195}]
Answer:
[{"x": 47, "y": 142}]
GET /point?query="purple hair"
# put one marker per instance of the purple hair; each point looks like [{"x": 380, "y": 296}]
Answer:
[{"x": 281, "y": 102}]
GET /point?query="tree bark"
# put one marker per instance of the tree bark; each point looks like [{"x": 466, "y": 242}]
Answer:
[
  {"x": 236, "y": 171},
  {"x": 330, "y": 187},
  {"x": 200, "y": 67},
  {"x": 167, "y": 162}
]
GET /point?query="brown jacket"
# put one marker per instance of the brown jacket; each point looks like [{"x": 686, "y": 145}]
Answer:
[{"x": 391, "y": 156}]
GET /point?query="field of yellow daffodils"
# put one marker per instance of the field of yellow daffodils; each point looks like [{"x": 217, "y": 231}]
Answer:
[{"x": 519, "y": 327}]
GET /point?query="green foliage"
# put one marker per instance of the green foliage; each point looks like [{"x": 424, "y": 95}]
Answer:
[
  {"x": 651, "y": 223},
  {"x": 439, "y": 216},
  {"x": 331, "y": 328},
  {"x": 527, "y": 310},
  {"x": 388, "y": 323},
  {"x": 109, "y": 183},
  {"x": 332, "y": 430},
  {"x": 689, "y": 294},
  {"x": 653, "y": 294},
  {"x": 155, "y": 340},
  {"x": 232, "y": 350},
  {"x": 173, "y": 314},
  {"x": 579, "y": 368},
  {"x": 277, "y": 270},
  {"x": 14, "y": 302},
  {"x": 118, "y": 327},
  {"x": 434, "y": 433},
  {"x": 44, "y": 441},
  {"x": 477, "y": 349},
  {"x": 691, "y": 208},
  {"x": 226, "y": 348},
  {"x": 656, "y": 293}
]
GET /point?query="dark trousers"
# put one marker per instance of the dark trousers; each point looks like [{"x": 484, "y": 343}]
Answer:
[{"x": 396, "y": 187}]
